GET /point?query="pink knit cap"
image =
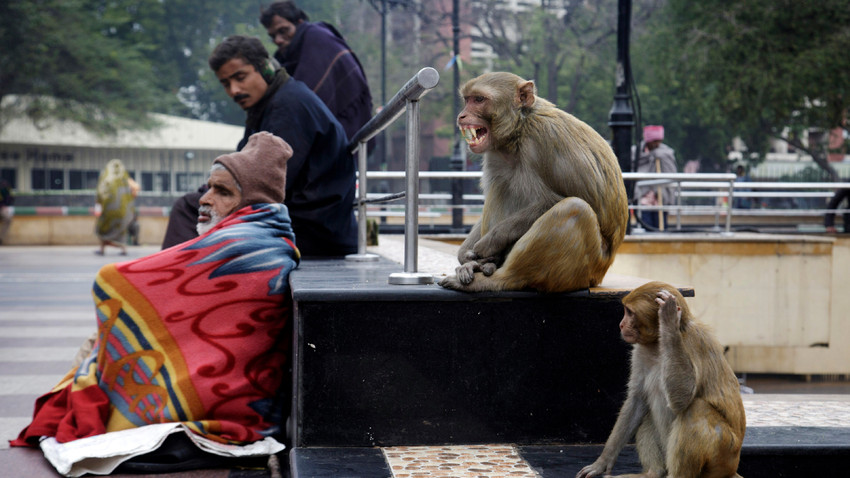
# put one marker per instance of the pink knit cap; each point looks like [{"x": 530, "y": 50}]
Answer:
[
  {"x": 653, "y": 133},
  {"x": 260, "y": 168}
]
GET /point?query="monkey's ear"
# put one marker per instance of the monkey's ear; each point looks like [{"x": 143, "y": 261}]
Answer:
[{"x": 525, "y": 94}]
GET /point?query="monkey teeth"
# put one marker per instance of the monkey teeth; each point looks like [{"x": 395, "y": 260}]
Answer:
[{"x": 471, "y": 134}]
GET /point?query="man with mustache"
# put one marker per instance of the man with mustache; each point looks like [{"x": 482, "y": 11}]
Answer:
[{"x": 320, "y": 180}]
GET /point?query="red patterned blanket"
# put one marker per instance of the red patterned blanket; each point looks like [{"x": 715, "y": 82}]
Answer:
[{"x": 191, "y": 334}]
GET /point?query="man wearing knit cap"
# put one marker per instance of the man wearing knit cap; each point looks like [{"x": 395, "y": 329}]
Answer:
[
  {"x": 255, "y": 175},
  {"x": 655, "y": 157},
  {"x": 188, "y": 340},
  {"x": 320, "y": 177}
]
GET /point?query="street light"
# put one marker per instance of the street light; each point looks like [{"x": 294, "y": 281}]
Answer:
[
  {"x": 383, "y": 8},
  {"x": 457, "y": 160},
  {"x": 621, "y": 117}
]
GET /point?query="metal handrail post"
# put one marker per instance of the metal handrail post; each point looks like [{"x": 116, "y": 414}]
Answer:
[
  {"x": 678, "y": 205},
  {"x": 410, "y": 276},
  {"x": 411, "y": 217},
  {"x": 362, "y": 191},
  {"x": 729, "y": 206}
]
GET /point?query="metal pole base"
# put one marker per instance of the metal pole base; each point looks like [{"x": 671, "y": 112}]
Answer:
[
  {"x": 367, "y": 257},
  {"x": 410, "y": 278}
]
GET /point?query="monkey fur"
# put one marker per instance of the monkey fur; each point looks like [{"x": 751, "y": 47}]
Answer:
[
  {"x": 555, "y": 207},
  {"x": 684, "y": 403}
]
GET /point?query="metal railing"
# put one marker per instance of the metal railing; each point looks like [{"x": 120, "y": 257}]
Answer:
[
  {"x": 725, "y": 193},
  {"x": 724, "y": 183},
  {"x": 407, "y": 99},
  {"x": 722, "y": 189}
]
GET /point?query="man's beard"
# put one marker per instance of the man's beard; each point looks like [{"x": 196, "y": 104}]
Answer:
[{"x": 205, "y": 227}]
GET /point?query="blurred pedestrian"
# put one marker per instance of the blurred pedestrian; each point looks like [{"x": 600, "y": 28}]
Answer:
[
  {"x": 829, "y": 218},
  {"x": 655, "y": 157},
  {"x": 116, "y": 195},
  {"x": 742, "y": 177},
  {"x": 7, "y": 200},
  {"x": 317, "y": 54}
]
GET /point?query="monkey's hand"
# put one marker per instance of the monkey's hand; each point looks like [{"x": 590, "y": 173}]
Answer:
[
  {"x": 485, "y": 265},
  {"x": 669, "y": 312},
  {"x": 494, "y": 243},
  {"x": 463, "y": 276},
  {"x": 466, "y": 272},
  {"x": 596, "y": 469}
]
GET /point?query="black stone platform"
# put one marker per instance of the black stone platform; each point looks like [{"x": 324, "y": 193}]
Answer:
[
  {"x": 768, "y": 452},
  {"x": 378, "y": 364}
]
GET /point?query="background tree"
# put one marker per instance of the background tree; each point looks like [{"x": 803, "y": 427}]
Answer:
[
  {"x": 761, "y": 66},
  {"x": 707, "y": 70},
  {"x": 62, "y": 60},
  {"x": 567, "y": 47},
  {"x": 695, "y": 128}
]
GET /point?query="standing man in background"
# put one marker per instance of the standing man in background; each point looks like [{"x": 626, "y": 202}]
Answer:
[
  {"x": 655, "y": 157},
  {"x": 317, "y": 54}
]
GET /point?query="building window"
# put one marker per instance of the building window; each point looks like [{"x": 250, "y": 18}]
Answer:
[
  {"x": 82, "y": 179},
  {"x": 159, "y": 182},
  {"x": 53, "y": 179},
  {"x": 10, "y": 176},
  {"x": 189, "y": 181},
  {"x": 57, "y": 179}
]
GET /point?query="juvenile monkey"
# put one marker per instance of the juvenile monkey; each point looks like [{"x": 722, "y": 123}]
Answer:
[
  {"x": 555, "y": 208},
  {"x": 684, "y": 401}
]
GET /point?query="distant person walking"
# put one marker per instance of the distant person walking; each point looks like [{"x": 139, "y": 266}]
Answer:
[
  {"x": 829, "y": 219},
  {"x": 116, "y": 195},
  {"x": 7, "y": 199},
  {"x": 741, "y": 177}
]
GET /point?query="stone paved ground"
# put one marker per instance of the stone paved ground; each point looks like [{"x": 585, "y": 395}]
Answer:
[
  {"x": 44, "y": 316},
  {"x": 778, "y": 410},
  {"x": 762, "y": 410}
]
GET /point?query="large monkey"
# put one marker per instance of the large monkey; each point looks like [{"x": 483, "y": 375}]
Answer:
[
  {"x": 684, "y": 401},
  {"x": 555, "y": 208}
]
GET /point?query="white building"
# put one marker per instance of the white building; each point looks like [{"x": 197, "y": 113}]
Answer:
[{"x": 64, "y": 156}]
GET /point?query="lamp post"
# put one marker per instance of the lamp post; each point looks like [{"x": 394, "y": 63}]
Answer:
[
  {"x": 383, "y": 9},
  {"x": 621, "y": 117},
  {"x": 457, "y": 160}
]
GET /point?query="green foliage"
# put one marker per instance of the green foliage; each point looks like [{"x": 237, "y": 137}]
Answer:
[
  {"x": 105, "y": 63},
  {"x": 568, "y": 48},
  {"x": 695, "y": 128},
  {"x": 759, "y": 65},
  {"x": 708, "y": 70},
  {"x": 63, "y": 57}
]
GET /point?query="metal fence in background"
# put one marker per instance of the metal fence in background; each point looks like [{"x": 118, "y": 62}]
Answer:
[{"x": 717, "y": 197}]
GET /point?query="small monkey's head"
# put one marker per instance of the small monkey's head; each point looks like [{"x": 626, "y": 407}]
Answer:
[
  {"x": 492, "y": 109},
  {"x": 640, "y": 312}
]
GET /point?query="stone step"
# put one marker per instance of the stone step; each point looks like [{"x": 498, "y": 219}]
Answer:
[
  {"x": 385, "y": 365},
  {"x": 768, "y": 452}
]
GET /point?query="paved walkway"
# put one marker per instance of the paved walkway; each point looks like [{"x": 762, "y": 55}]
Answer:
[{"x": 46, "y": 313}]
